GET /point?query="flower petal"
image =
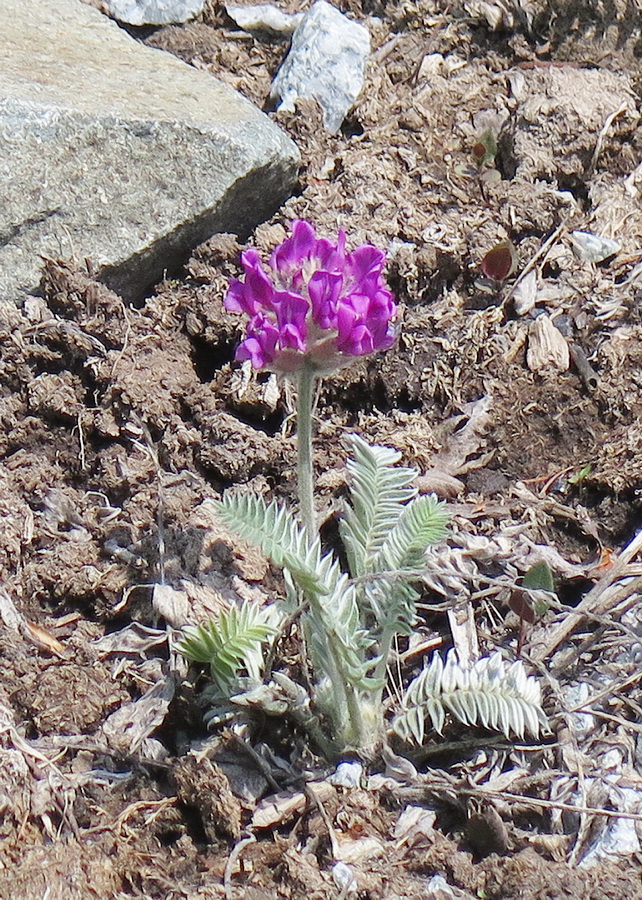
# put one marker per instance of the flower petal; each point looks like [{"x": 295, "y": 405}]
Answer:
[
  {"x": 291, "y": 312},
  {"x": 324, "y": 289},
  {"x": 363, "y": 262},
  {"x": 364, "y": 323},
  {"x": 255, "y": 293},
  {"x": 235, "y": 299},
  {"x": 260, "y": 345},
  {"x": 315, "y": 305},
  {"x": 289, "y": 256},
  {"x": 331, "y": 257}
]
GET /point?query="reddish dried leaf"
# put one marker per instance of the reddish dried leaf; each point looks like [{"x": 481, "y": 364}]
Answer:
[
  {"x": 500, "y": 262},
  {"x": 521, "y": 605},
  {"x": 479, "y": 152}
]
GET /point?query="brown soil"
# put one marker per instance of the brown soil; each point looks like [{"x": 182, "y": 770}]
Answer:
[{"x": 119, "y": 423}]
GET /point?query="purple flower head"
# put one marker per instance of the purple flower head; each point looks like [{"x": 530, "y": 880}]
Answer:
[{"x": 314, "y": 305}]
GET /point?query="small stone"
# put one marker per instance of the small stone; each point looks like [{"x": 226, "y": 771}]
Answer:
[
  {"x": 264, "y": 19},
  {"x": 153, "y": 12},
  {"x": 344, "y": 879},
  {"x": 592, "y": 248},
  {"x": 326, "y": 63},
  {"x": 347, "y": 775}
]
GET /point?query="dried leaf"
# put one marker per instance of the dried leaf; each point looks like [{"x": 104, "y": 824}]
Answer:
[
  {"x": 547, "y": 347},
  {"x": 524, "y": 295},
  {"x": 127, "y": 727},
  {"x": 171, "y": 604},
  {"x": 463, "y": 629},
  {"x": 521, "y": 605},
  {"x": 357, "y": 850},
  {"x": 414, "y": 822},
  {"x": 280, "y": 808},
  {"x": 437, "y": 481},
  {"x": 462, "y": 446},
  {"x": 43, "y": 639},
  {"x": 500, "y": 261},
  {"x": 9, "y": 614},
  {"x": 133, "y": 640}
]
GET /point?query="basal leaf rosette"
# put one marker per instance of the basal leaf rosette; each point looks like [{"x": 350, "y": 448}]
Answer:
[{"x": 314, "y": 306}]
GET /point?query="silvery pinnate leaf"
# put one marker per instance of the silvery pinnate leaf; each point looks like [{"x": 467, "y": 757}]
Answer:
[
  {"x": 492, "y": 693},
  {"x": 393, "y": 603},
  {"x": 333, "y": 611},
  {"x": 277, "y": 532},
  {"x": 420, "y": 523},
  {"x": 379, "y": 490}
]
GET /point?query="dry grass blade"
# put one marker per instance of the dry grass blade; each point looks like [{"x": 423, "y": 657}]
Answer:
[
  {"x": 598, "y": 600},
  {"x": 537, "y": 803}
]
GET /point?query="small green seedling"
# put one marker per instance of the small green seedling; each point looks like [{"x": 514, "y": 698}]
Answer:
[
  {"x": 528, "y": 601},
  {"x": 484, "y": 150}
]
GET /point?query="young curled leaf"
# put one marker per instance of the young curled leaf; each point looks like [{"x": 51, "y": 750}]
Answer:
[
  {"x": 230, "y": 642},
  {"x": 538, "y": 578}
]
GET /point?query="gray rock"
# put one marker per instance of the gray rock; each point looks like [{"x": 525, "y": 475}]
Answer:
[
  {"x": 326, "y": 63},
  {"x": 153, "y": 12},
  {"x": 120, "y": 153}
]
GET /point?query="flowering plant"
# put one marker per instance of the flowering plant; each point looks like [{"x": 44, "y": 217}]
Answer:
[{"x": 316, "y": 308}]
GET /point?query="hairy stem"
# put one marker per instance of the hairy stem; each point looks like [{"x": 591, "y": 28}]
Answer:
[
  {"x": 305, "y": 403},
  {"x": 385, "y": 643},
  {"x": 346, "y": 694},
  {"x": 357, "y": 732}
]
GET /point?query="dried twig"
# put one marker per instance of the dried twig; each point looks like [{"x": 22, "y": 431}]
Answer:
[
  {"x": 603, "y": 621},
  {"x": 539, "y": 255},
  {"x": 610, "y": 691},
  {"x": 600, "y": 138},
  {"x": 258, "y": 761},
  {"x": 416, "y": 794},
  {"x": 549, "y": 804},
  {"x": 231, "y": 862},
  {"x": 596, "y": 601}
]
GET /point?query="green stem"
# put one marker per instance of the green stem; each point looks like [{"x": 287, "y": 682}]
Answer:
[
  {"x": 346, "y": 695},
  {"x": 305, "y": 408},
  {"x": 345, "y": 711},
  {"x": 379, "y": 674}
]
